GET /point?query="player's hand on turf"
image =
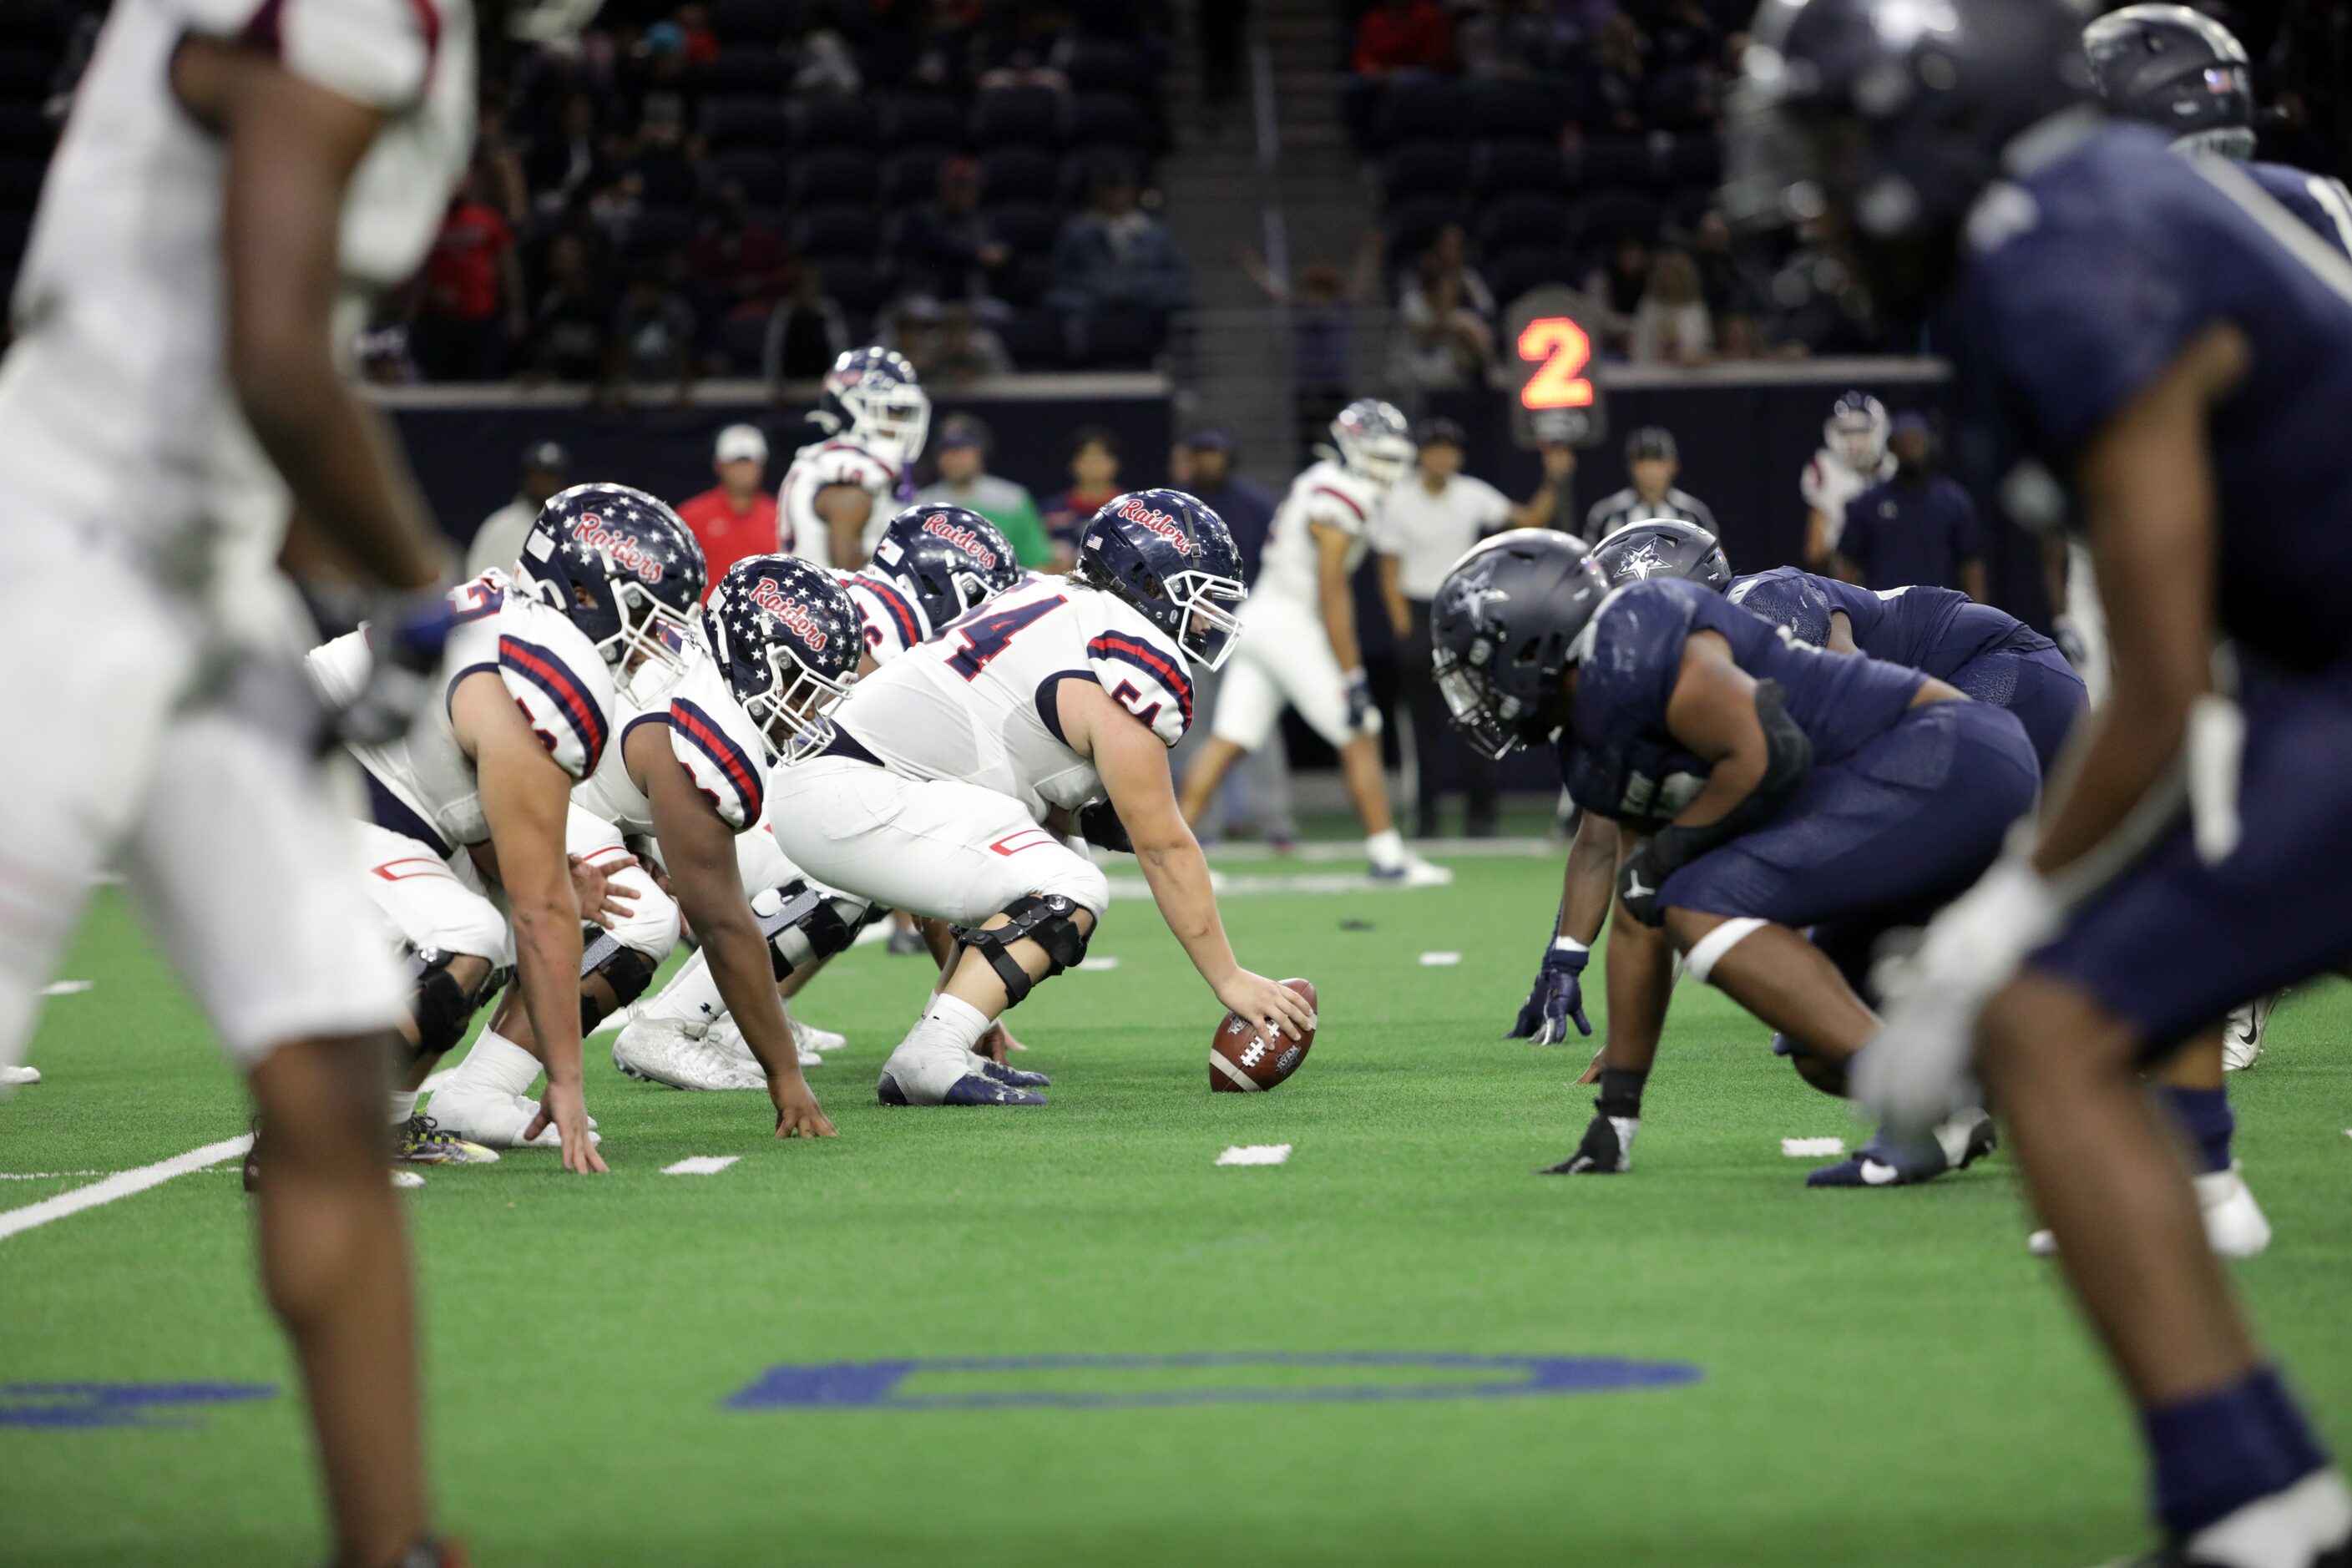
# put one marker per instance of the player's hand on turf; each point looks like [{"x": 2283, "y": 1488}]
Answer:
[
  {"x": 1558, "y": 997},
  {"x": 566, "y": 1109},
  {"x": 1273, "y": 1009},
  {"x": 798, "y": 1115},
  {"x": 600, "y": 898},
  {"x": 1607, "y": 1149},
  {"x": 405, "y": 635},
  {"x": 1363, "y": 714}
]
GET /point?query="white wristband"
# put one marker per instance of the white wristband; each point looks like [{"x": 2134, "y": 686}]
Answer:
[{"x": 1568, "y": 944}]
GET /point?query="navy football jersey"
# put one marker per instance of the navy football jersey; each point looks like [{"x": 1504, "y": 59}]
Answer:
[
  {"x": 1617, "y": 757},
  {"x": 1935, "y": 630},
  {"x": 2085, "y": 278},
  {"x": 2321, "y": 202}
]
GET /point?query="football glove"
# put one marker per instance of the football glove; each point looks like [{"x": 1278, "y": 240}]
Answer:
[
  {"x": 1558, "y": 996},
  {"x": 1638, "y": 884},
  {"x": 1607, "y": 1149},
  {"x": 405, "y": 636},
  {"x": 1363, "y": 714},
  {"x": 1099, "y": 826}
]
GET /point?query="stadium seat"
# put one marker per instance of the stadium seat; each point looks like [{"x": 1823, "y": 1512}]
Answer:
[
  {"x": 1513, "y": 272},
  {"x": 916, "y": 119},
  {"x": 656, "y": 230},
  {"x": 1036, "y": 340},
  {"x": 1613, "y": 214},
  {"x": 1425, "y": 168},
  {"x": 1503, "y": 168},
  {"x": 856, "y": 285},
  {"x": 1686, "y": 206},
  {"x": 1120, "y": 339},
  {"x": 741, "y": 121},
  {"x": 1113, "y": 117},
  {"x": 1097, "y": 65},
  {"x": 1028, "y": 227},
  {"x": 24, "y": 129},
  {"x": 1501, "y": 109},
  {"x": 1074, "y": 180},
  {"x": 1028, "y": 115},
  {"x": 760, "y": 172},
  {"x": 1610, "y": 161},
  {"x": 834, "y": 122},
  {"x": 1694, "y": 160},
  {"x": 837, "y": 174},
  {"x": 1421, "y": 112},
  {"x": 754, "y": 68},
  {"x": 1017, "y": 175},
  {"x": 1523, "y": 220},
  {"x": 27, "y": 72},
  {"x": 1679, "y": 98},
  {"x": 1410, "y": 224},
  {"x": 837, "y": 230},
  {"x": 1021, "y": 282},
  {"x": 754, "y": 21},
  {"x": 911, "y": 174}
]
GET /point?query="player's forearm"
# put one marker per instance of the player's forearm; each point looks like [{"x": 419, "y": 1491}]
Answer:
[
  {"x": 848, "y": 543},
  {"x": 1729, "y": 784},
  {"x": 1589, "y": 886},
  {"x": 740, "y": 965},
  {"x": 1178, "y": 874},
  {"x": 335, "y": 459},
  {"x": 1340, "y": 625},
  {"x": 547, "y": 963}
]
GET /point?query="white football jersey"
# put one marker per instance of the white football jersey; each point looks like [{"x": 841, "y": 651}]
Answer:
[
  {"x": 890, "y": 622},
  {"x": 712, "y": 736},
  {"x": 424, "y": 786},
  {"x": 1829, "y": 482},
  {"x": 115, "y": 413},
  {"x": 1329, "y": 493},
  {"x": 977, "y": 703},
  {"x": 838, "y": 460}
]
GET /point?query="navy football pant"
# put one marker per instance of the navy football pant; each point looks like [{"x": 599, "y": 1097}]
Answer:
[
  {"x": 2171, "y": 944},
  {"x": 2036, "y": 684}
]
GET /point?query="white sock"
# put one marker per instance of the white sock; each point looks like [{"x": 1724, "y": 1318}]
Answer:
[
  {"x": 495, "y": 1065},
  {"x": 952, "y": 1022},
  {"x": 691, "y": 993},
  {"x": 1385, "y": 848},
  {"x": 403, "y": 1105},
  {"x": 938, "y": 1050}
]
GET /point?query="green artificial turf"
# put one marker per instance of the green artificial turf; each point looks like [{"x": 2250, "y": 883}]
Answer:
[{"x": 1886, "y": 1377}]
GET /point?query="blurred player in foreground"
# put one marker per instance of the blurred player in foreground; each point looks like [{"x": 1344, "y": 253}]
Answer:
[
  {"x": 231, "y": 187},
  {"x": 948, "y": 779},
  {"x": 2153, "y": 350}
]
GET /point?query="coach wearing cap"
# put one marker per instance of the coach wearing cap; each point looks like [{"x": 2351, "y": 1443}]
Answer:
[
  {"x": 1424, "y": 525},
  {"x": 1649, "y": 460},
  {"x": 499, "y": 541},
  {"x": 735, "y": 517}
]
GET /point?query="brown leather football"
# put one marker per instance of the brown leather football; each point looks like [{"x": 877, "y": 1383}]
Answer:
[{"x": 1240, "y": 1062}]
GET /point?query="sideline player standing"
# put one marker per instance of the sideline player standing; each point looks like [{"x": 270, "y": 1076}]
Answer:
[
  {"x": 1852, "y": 457},
  {"x": 1297, "y": 646},
  {"x": 233, "y": 182},
  {"x": 2159, "y": 353},
  {"x": 835, "y": 497}
]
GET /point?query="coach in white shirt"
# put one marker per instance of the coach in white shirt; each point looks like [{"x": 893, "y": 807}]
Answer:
[{"x": 1424, "y": 525}]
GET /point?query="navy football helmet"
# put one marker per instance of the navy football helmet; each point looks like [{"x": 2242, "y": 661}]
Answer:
[
  {"x": 623, "y": 567},
  {"x": 1171, "y": 556},
  {"x": 1664, "y": 547},
  {"x": 1894, "y": 115},
  {"x": 1504, "y": 629},
  {"x": 786, "y": 636},
  {"x": 2179, "y": 70},
  {"x": 947, "y": 559},
  {"x": 874, "y": 397}
]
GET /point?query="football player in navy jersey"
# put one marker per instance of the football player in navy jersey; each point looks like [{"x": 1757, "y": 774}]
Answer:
[
  {"x": 1763, "y": 788},
  {"x": 2153, "y": 350}
]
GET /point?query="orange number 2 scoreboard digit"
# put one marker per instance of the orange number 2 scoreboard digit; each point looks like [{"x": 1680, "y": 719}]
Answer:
[{"x": 1559, "y": 350}]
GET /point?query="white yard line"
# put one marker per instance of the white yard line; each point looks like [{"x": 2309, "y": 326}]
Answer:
[
  {"x": 65, "y": 988},
  {"x": 1255, "y": 1155},
  {"x": 1812, "y": 1148},
  {"x": 1440, "y": 960},
  {"x": 700, "y": 1165},
  {"x": 120, "y": 1184}
]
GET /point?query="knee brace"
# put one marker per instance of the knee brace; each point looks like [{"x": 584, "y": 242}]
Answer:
[
  {"x": 624, "y": 968},
  {"x": 1049, "y": 921},
  {"x": 441, "y": 1006},
  {"x": 804, "y": 924}
]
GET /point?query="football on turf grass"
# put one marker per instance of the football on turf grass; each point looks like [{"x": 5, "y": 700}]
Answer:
[{"x": 1241, "y": 1062}]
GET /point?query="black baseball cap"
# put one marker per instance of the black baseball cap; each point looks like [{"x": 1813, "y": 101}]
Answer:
[
  {"x": 1210, "y": 439},
  {"x": 1648, "y": 442}
]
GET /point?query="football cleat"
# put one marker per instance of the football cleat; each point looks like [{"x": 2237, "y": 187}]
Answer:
[
  {"x": 970, "y": 1089},
  {"x": 408, "y": 1180},
  {"x": 1607, "y": 1149},
  {"x": 11, "y": 1077},
  {"x": 809, "y": 1038},
  {"x": 2242, "y": 1034},
  {"x": 728, "y": 1041},
  {"x": 1013, "y": 1077},
  {"x": 1412, "y": 872},
  {"x": 2305, "y": 1525},
  {"x": 2235, "y": 1225},
  {"x": 679, "y": 1053},
  {"x": 1959, "y": 1142},
  {"x": 422, "y": 1140},
  {"x": 497, "y": 1121}
]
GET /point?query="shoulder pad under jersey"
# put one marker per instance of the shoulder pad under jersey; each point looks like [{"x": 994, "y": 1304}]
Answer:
[{"x": 888, "y": 621}]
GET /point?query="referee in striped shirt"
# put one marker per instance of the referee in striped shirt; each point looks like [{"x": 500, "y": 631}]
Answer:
[{"x": 1650, "y": 458}]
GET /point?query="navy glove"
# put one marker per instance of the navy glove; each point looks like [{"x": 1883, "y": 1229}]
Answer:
[
  {"x": 405, "y": 636},
  {"x": 1558, "y": 996},
  {"x": 1099, "y": 826},
  {"x": 1363, "y": 717},
  {"x": 1638, "y": 884}
]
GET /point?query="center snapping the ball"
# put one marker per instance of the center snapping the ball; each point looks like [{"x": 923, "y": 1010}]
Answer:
[{"x": 1241, "y": 1061}]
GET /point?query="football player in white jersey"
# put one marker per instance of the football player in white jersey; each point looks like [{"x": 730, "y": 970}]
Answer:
[
  {"x": 838, "y": 494},
  {"x": 1852, "y": 457},
  {"x": 464, "y": 849},
  {"x": 1297, "y": 646},
  {"x": 947, "y": 778},
  {"x": 234, "y": 181},
  {"x": 934, "y": 564}
]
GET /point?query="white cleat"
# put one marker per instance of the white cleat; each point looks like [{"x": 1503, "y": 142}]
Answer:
[
  {"x": 408, "y": 1180},
  {"x": 11, "y": 1077},
  {"x": 2235, "y": 1225},
  {"x": 812, "y": 1038},
  {"x": 2242, "y": 1034},
  {"x": 496, "y": 1120},
  {"x": 729, "y": 1042},
  {"x": 684, "y": 1054},
  {"x": 1412, "y": 872}
]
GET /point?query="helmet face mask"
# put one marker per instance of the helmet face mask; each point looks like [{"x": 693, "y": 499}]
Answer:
[
  {"x": 1212, "y": 612},
  {"x": 624, "y": 569},
  {"x": 1171, "y": 557},
  {"x": 1506, "y": 627},
  {"x": 794, "y": 714}
]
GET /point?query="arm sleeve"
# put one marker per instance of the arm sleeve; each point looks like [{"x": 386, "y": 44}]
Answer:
[{"x": 1146, "y": 679}]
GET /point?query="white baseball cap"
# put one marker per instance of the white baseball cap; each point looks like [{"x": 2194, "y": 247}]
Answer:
[{"x": 739, "y": 442}]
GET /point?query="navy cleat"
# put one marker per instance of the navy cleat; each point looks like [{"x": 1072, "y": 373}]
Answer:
[
  {"x": 1012, "y": 1078},
  {"x": 1890, "y": 1162},
  {"x": 970, "y": 1089}
]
